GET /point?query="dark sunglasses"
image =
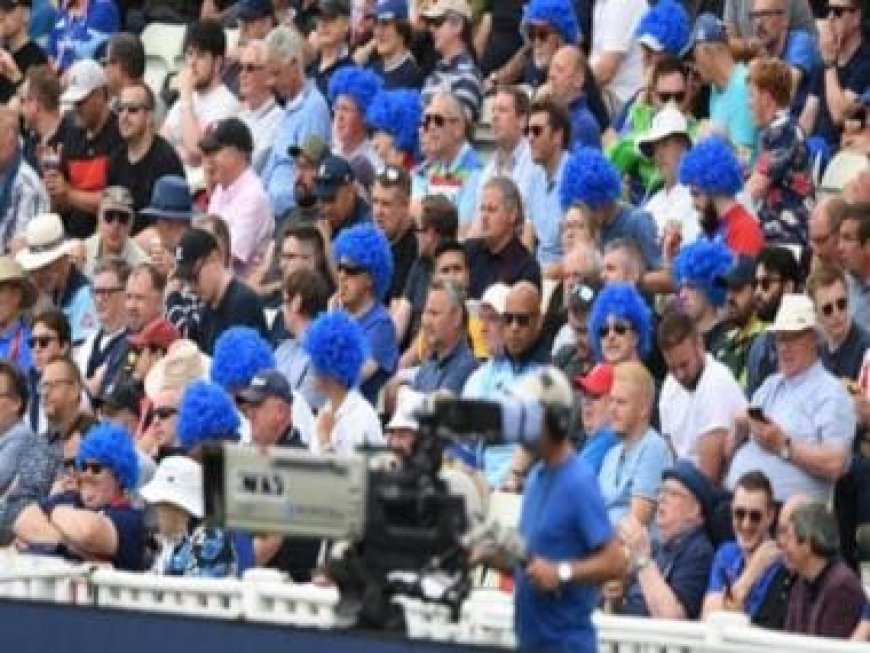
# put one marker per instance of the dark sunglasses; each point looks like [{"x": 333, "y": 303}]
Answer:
[
  {"x": 92, "y": 467},
  {"x": 40, "y": 342},
  {"x": 350, "y": 270},
  {"x": 539, "y": 33},
  {"x": 437, "y": 120},
  {"x": 837, "y": 11},
  {"x": 758, "y": 15},
  {"x": 520, "y": 319},
  {"x": 117, "y": 216},
  {"x": 534, "y": 131},
  {"x": 619, "y": 328},
  {"x": 740, "y": 514},
  {"x": 766, "y": 283},
  {"x": 838, "y": 304},
  {"x": 132, "y": 108},
  {"x": 165, "y": 412},
  {"x": 678, "y": 97}
]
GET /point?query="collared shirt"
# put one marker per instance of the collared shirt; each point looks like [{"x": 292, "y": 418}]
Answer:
[
  {"x": 132, "y": 254},
  {"x": 511, "y": 264},
  {"x": 457, "y": 180},
  {"x": 684, "y": 563},
  {"x": 859, "y": 299},
  {"x": 245, "y": 207},
  {"x": 27, "y": 198},
  {"x": 449, "y": 372},
  {"x": 639, "y": 227},
  {"x": 41, "y": 460},
  {"x": 294, "y": 363},
  {"x": 305, "y": 115},
  {"x": 546, "y": 213},
  {"x": 812, "y": 408},
  {"x": 518, "y": 166},
  {"x": 828, "y": 606},
  {"x": 734, "y": 348},
  {"x": 263, "y": 123},
  {"x": 728, "y": 563},
  {"x": 355, "y": 424}
]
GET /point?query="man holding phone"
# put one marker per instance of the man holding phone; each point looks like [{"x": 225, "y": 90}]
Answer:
[{"x": 802, "y": 422}]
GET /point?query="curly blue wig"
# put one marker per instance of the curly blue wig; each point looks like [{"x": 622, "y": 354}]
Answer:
[
  {"x": 700, "y": 265},
  {"x": 206, "y": 413},
  {"x": 398, "y": 113},
  {"x": 667, "y": 25},
  {"x": 712, "y": 167},
  {"x": 366, "y": 246},
  {"x": 590, "y": 179},
  {"x": 623, "y": 301},
  {"x": 358, "y": 84},
  {"x": 336, "y": 346},
  {"x": 239, "y": 353},
  {"x": 558, "y": 13},
  {"x": 112, "y": 446}
]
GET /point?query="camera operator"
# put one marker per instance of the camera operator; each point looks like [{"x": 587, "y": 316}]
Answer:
[{"x": 570, "y": 545}]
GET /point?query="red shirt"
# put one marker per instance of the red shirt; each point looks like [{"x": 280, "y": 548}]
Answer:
[{"x": 741, "y": 231}]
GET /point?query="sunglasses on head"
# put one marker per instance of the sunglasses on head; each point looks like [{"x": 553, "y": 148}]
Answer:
[
  {"x": 117, "y": 216},
  {"x": 838, "y": 11},
  {"x": 740, "y": 514},
  {"x": 92, "y": 467},
  {"x": 520, "y": 319},
  {"x": 678, "y": 97},
  {"x": 838, "y": 305},
  {"x": 619, "y": 328}
]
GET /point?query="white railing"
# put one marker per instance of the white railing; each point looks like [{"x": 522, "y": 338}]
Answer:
[{"x": 264, "y": 596}]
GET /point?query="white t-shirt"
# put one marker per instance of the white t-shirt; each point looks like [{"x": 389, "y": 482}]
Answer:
[
  {"x": 675, "y": 204},
  {"x": 686, "y": 414},
  {"x": 614, "y": 23},
  {"x": 216, "y": 104},
  {"x": 356, "y": 423}
]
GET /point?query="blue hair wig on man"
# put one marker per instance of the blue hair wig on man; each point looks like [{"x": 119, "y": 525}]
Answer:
[
  {"x": 665, "y": 28},
  {"x": 621, "y": 301},
  {"x": 701, "y": 265},
  {"x": 206, "y": 412},
  {"x": 590, "y": 179},
  {"x": 559, "y": 14},
  {"x": 398, "y": 113},
  {"x": 712, "y": 167},
  {"x": 337, "y": 347},
  {"x": 239, "y": 353},
  {"x": 365, "y": 246},
  {"x": 111, "y": 446},
  {"x": 359, "y": 84}
]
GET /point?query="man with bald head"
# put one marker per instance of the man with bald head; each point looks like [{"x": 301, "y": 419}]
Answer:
[
  {"x": 824, "y": 227},
  {"x": 566, "y": 78}
]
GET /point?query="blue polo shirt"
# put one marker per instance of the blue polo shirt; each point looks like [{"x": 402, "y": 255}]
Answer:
[
  {"x": 380, "y": 334},
  {"x": 545, "y": 205},
  {"x": 639, "y": 227},
  {"x": 447, "y": 373},
  {"x": 728, "y": 564},
  {"x": 558, "y": 526}
]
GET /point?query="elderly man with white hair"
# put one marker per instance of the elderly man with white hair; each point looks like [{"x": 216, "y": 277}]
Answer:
[{"x": 260, "y": 112}]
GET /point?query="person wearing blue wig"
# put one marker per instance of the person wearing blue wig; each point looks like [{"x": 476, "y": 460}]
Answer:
[
  {"x": 365, "y": 270},
  {"x": 620, "y": 325},
  {"x": 351, "y": 91},
  {"x": 699, "y": 269},
  {"x": 337, "y": 348},
  {"x": 713, "y": 174},
  {"x": 395, "y": 118},
  {"x": 96, "y": 522},
  {"x": 239, "y": 354},
  {"x": 664, "y": 30}
]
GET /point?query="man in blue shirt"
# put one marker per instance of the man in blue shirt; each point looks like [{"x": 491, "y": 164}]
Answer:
[
  {"x": 82, "y": 29},
  {"x": 570, "y": 544}
]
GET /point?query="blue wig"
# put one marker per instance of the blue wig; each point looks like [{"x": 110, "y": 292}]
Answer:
[
  {"x": 701, "y": 264},
  {"x": 398, "y": 113},
  {"x": 558, "y": 13},
  {"x": 589, "y": 178},
  {"x": 358, "y": 84},
  {"x": 622, "y": 301},
  {"x": 712, "y": 167},
  {"x": 112, "y": 446},
  {"x": 366, "y": 246},
  {"x": 337, "y": 347},
  {"x": 667, "y": 24},
  {"x": 239, "y": 353},
  {"x": 206, "y": 413}
]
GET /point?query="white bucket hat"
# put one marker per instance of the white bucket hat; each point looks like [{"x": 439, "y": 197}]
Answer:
[
  {"x": 669, "y": 121},
  {"x": 177, "y": 481},
  {"x": 796, "y": 313},
  {"x": 44, "y": 242},
  {"x": 183, "y": 364}
]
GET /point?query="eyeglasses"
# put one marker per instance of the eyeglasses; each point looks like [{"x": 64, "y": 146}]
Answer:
[
  {"x": 837, "y": 11},
  {"x": 350, "y": 270},
  {"x": 740, "y": 514},
  {"x": 107, "y": 290},
  {"x": 40, "y": 342},
  {"x": 534, "y": 131},
  {"x": 48, "y": 386},
  {"x": 760, "y": 15},
  {"x": 130, "y": 107},
  {"x": 838, "y": 305},
  {"x": 520, "y": 319},
  {"x": 539, "y": 33},
  {"x": 678, "y": 97},
  {"x": 437, "y": 120},
  {"x": 110, "y": 217},
  {"x": 619, "y": 328},
  {"x": 92, "y": 467},
  {"x": 765, "y": 283},
  {"x": 164, "y": 412},
  {"x": 251, "y": 67}
]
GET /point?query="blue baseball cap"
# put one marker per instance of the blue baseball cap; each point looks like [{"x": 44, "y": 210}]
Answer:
[
  {"x": 249, "y": 10},
  {"x": 709, "y": 29},
  {"x": 391, "y": 10},
  {"x": 270, "y": 383}
]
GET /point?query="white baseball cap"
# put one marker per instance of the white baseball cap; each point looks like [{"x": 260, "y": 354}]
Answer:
[
  {"x": 84, "y": 77},
  {"x": 177, "y": 481},
  {"x": 496, "y": 297}
]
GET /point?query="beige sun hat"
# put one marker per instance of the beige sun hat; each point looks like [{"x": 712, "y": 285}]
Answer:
[
  {"x": 44, "y": 242},
  {"x": 183, "y": 364},
  {"x": 11, "y": 271}
]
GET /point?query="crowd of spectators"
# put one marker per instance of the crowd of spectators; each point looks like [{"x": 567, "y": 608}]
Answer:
[{"x": 353, "y": 205}]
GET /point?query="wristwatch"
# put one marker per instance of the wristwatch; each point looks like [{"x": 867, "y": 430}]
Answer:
[
  {"x": 566, "y": 575},
  {"x": 785, "y": 452},
  {"x": 641, "y": 563}
]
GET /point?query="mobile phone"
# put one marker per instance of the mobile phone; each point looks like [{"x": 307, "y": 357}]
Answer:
[{"x": 757, "y": 414}]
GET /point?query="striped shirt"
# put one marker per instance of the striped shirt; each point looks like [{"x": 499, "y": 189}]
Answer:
[
  {"x": 28, "y": 197},
  {"x": 460, "y": 76}
]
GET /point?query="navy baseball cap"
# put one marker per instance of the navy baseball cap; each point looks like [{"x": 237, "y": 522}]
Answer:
[
  {"x": 391, "y": 10},
  {"x": 709, "y": 29},
  {"x": 270, "y": 383},
  {"x": 254, "y": 9},
  {"x": 194, "y": 246},
  {"x": 695, "y": 482},
  {"x": 741, "y": 274},
  {"x": 333, "y": 173}
]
